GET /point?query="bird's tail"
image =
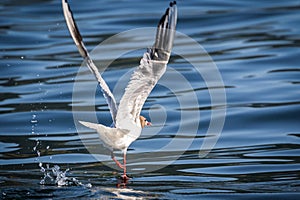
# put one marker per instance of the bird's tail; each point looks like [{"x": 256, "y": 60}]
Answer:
[{"x": 90, "y": 125}]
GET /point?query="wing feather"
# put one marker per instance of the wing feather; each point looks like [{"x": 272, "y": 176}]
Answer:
[
  {"x": 84, "y": 53},
  {"x": 152, "y": 67}
]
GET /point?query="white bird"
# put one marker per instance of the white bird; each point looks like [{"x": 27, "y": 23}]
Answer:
[{"x": 127, "y": 122}]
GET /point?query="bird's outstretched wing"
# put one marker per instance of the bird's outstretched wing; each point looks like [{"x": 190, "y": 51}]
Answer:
[
  {"x": 84, "y": 53},
  {"x": 152, "y": 67}
]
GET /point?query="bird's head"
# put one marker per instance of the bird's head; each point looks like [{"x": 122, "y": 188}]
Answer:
[{"x": 144, "y": 122}]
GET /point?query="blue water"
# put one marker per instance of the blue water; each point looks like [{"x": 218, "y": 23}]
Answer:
[{"x": 255, "y": 46}]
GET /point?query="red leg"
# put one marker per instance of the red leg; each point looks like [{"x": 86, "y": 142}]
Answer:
[
  {"x": 116, "y": 161},
  {"x": 125, "y": 177},
  {"x": 124, "y": 164}
]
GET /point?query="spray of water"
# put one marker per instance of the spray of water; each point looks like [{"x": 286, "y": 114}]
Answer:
[{"x": 52, "y": 175}]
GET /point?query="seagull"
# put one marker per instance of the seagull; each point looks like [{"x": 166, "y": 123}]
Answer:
[{"x": 127, "y": 121}]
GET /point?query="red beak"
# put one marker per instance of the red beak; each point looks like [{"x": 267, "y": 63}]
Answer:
[{"x": 148, "y": 124}]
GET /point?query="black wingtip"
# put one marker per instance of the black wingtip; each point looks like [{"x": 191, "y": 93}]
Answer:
[
  {"x": 165, "y": 33},
  {"x": 164, "y": 22}
]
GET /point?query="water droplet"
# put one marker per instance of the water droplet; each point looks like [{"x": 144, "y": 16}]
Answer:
[{"x": 33, "y": 121}]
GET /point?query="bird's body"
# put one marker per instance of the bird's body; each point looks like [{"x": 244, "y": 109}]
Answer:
[
  {"x": 113, "y": 138},
  {"x": 127, "y": 122}
]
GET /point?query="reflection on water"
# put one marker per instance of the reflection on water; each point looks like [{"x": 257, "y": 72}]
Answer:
[{"x": 255, "y": 46}]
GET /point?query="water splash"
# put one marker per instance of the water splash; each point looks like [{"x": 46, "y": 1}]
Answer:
[
  {"x": 56, "y": 176},
  {"x": 47, "y": 179},
  {"x": 52, "y": 175}
]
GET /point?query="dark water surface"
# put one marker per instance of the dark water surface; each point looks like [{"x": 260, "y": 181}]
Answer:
[{"x": 256, "y": 47}]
